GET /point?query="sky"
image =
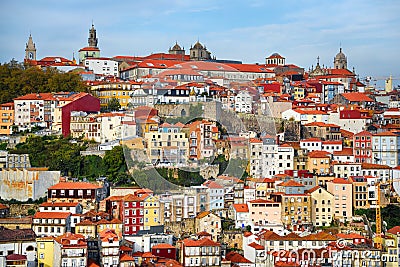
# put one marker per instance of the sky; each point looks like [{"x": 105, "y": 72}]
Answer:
[{"x": 368, "y": 31}]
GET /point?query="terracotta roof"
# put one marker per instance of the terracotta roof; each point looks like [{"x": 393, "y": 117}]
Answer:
[
  {"x": 51, "y": 215},
  {"x": 74, "y": 185},
  {"x": 357, "y": 97},
  {"x": 126, "y": 257},
  {"x": 340, "y": 181},
  {"x": 346, "y": 151},
  {"x": 395, "y": 230},
  {"x": 240, "y": 207},
  {"x": 247, "y": 234},
  {"x": 315, "y": 188},
  {"x": 291, "y": 183},
  {"x": 374, "y": 166},
  {"x": 256, "y": 246},
  {"x": 162, "y": 246},
  {"x": 89, "y": 48},
  {"x": 203, "y": 214},
  {"x": 319, "y": 154},
  {"x": 387, "y": 133},
  {"x": 349, "y": 236},
  {"x": 213, "y": 185},
  {"x": 204, "y": 242},
  {"x": 40, "y": 96},
  {"x": 235, "y": 257},
  {"x": 92, "y": 263},
  {"x": 3, "y": 207},
  {"x": 363, "y": 133}
]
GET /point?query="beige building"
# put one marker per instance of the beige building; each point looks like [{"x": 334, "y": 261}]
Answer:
[
  {"x": 343, "y": 191},
  {"x": 322, "y": 206},
  {"x": 167, "y": 146},
  {"x": 296, "y": 209},
  {"x": 208, "y": 222}
]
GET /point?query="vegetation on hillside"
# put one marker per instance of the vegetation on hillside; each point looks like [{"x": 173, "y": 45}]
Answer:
[
  {"x": 63, "y": 154},
  {"x": 17, "y": 80},
  {"x": 390, "y": 214}
]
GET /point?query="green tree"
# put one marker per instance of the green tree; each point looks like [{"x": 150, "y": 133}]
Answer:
[
  {"x": 113, "y": 104},
  {"x": 17, "y": 80},
  {"x": 114, "y": 160}
]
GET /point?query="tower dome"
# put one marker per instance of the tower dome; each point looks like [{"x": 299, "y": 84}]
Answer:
[
  {"x": 340, "y": 60},
  {"x": 198, "y": 45},
  {"x": 177, "y": 49}
]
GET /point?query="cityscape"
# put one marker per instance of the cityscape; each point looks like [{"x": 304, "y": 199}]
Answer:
[{"x": 182, "y": 158}]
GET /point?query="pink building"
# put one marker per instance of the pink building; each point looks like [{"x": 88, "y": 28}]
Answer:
[
  {"x": 264, "y": 213},
  {"x": 342, "y": 189}
]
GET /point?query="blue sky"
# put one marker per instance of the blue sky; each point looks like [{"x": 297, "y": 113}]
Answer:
[{"x": 369, "y": 31}]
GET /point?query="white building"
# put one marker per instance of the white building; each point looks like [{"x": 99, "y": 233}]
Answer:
[
  {"x": 269, "y": 156},
  {"x": 285, "y": 160},
  {"x": 256, "y": 158},
  {"x": 216, "y": 193},
  {"x": 102, "y": 66},
  {"x": 243, "y": 102}
]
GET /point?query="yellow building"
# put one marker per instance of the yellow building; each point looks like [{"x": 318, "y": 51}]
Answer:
[
  {"x": 119, "y": 90},
  {"x": 299, "y": 92},
  {"x": 151, "y": 212},
  {"x": 86, "y": 228},
  {"x": 48, "y": 252},
  {"x": 322, "y": 206},
  {"x": 114, "y": 224},
  {"x": 319, "y": 162},
  {"x": 6, "y": 118}
]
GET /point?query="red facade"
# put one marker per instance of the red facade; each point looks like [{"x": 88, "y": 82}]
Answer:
[
  {"x": 86, "y": 103},
  {"x": 132, "y": 214},
  {"x": 362, "y": 147},
  {"x": 164, "y": 251}
]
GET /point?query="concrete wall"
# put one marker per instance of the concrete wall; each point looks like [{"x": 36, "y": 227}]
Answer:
[{"x": 22, "y": 184}]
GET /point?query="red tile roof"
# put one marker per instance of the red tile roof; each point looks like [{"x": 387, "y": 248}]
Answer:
[
  {"x": 357, "y": 97},
  {"x": 395, "y": 230},
  {"x": 51, "y": 215},
  {"x": 204, "y": 242},
  {"x": 388, "y": 133},
  {"x": 74, "y": 185},
  {"x": 256, "y": 246},
  {"x": 373, "y": 166},
  {"x": 162, "y": 246},
  {"x": 291, "y": 183},
  {"x": 235, "y": 257},
  {"x": 340, "y": 181},
  {"x": 240, "y": 207},
  {"x": 318, "y": 154}
]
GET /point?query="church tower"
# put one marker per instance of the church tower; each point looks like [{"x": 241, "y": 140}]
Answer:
[
  {"x": 30, "y": 49},
  {"x": 92, "y": 40},
  {"x": 340, "y": 60},
  {"x": 91, "y": 51}
]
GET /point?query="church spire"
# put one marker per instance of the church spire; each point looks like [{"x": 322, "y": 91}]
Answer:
[
  {"x": 30, "y": 49},
  {"x": 92, "y": 40}
]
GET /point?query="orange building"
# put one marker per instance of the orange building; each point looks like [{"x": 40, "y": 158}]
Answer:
[
  {"x": 319, "y": 162},
  {"x": 7, "y": 118}
]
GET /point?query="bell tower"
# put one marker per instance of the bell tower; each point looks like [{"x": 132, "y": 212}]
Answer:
[
  {"x": 92, "y": 40},
  {"x": 30, "y": 49}
]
